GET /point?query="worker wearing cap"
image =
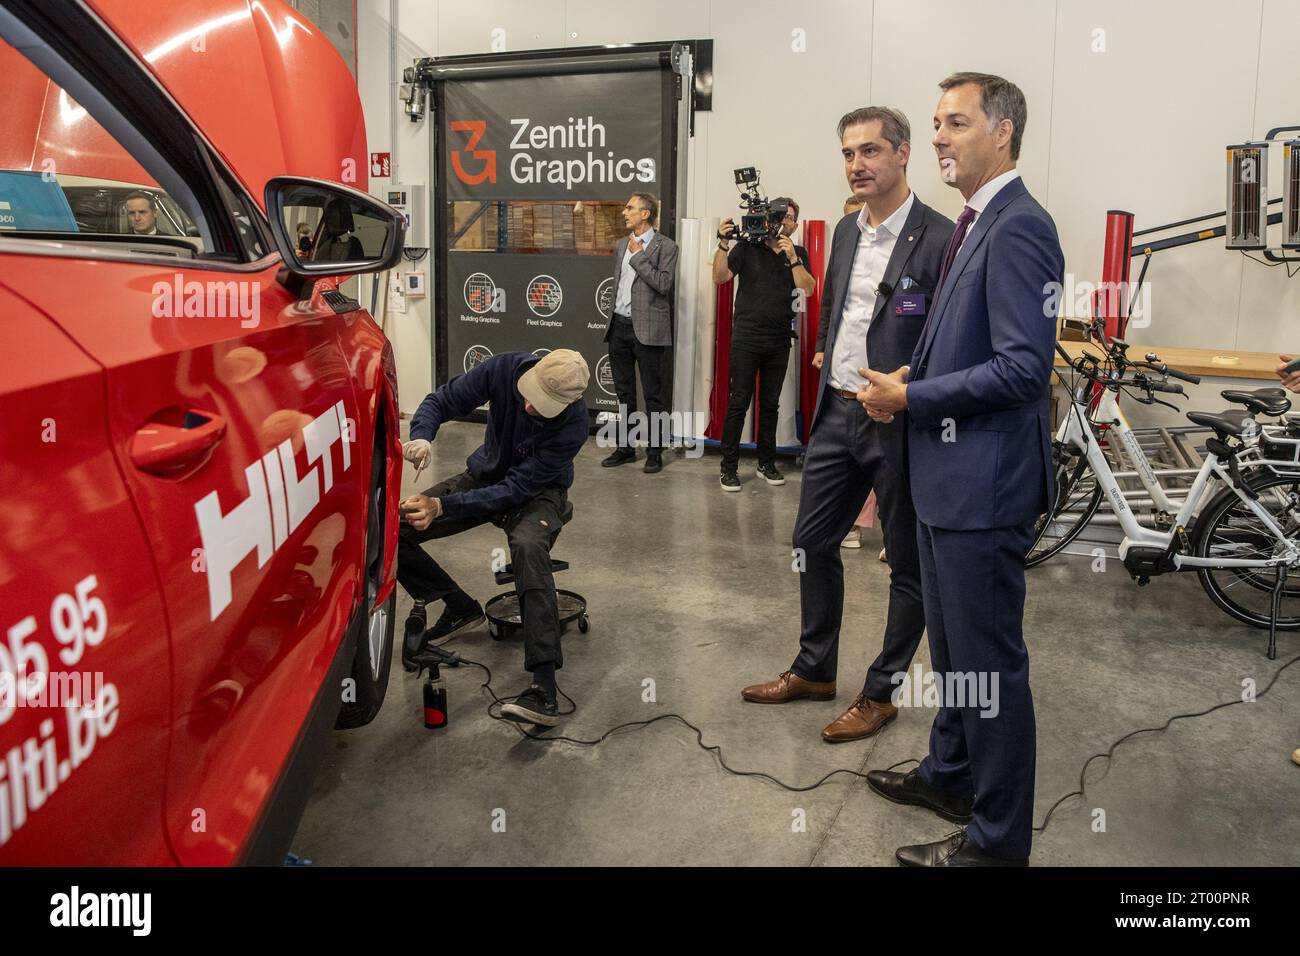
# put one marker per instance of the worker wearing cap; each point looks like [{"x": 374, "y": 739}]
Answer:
[{"x": 518, "y": 479}]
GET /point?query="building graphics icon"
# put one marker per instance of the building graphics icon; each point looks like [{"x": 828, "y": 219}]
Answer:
[{"x": 480, "y": 293}]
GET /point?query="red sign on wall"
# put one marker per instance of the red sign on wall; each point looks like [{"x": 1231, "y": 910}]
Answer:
[{"x": 381, "y": 164}]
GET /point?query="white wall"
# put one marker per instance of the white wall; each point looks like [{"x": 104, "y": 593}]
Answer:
[{"x": 1139, "y": 126}]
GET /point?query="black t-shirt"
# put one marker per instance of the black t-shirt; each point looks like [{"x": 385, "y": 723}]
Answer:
[{"x": 765, "y": 293}]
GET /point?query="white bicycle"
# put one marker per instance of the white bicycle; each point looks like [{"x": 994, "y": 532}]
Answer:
[{"x": 1243, "y": 508}]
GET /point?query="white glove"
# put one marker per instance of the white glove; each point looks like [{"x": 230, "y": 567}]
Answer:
[{"x": 417, "y": 452}]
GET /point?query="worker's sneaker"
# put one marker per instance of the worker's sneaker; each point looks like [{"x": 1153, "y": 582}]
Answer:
[
  {"x": 730, "y": 481},
  {"x": 533, "y": 706},
  {"x": 853, "y": 539},
  {"x": 769, "y": 473},
  {"x": 454, "y": 620},
  {"x": 620, "y": 456}
]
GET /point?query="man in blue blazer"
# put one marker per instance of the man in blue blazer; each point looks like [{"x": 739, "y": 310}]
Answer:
[
  {"x": 976, "y": 401},
  {"x": 883, "y": 272}
]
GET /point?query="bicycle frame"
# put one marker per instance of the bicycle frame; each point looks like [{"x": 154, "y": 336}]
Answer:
[{"x": 1077, "y": 432}]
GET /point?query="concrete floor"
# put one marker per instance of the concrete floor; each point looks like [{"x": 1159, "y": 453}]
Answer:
[{"x": 694, "y": 589}]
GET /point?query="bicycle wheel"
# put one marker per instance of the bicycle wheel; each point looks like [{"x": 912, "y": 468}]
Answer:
[
  {"x": 1076, "y": 498},
  {"x": 1228, "y": 529}
]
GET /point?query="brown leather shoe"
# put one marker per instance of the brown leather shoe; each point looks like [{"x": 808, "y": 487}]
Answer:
[
  {"x": 863, "y": 718},
  {"x": 789, "y": 686}
]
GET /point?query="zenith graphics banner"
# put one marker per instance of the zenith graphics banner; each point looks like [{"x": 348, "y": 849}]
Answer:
[
  {"x": 541, "y": 146},
  {"x": 583, "y": 136}
]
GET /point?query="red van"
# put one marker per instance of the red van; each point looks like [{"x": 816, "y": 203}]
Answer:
[{"x": 199, "y": 449}]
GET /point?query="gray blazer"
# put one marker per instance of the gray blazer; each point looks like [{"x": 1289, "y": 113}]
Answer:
[{"x": 652, "y": 289}]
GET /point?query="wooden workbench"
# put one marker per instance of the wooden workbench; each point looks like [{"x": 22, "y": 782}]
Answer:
[{"x": 1250, "y": 365}]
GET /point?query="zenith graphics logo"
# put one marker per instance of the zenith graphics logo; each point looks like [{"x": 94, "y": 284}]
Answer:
[
  {"x": 488, "y": 172},
  {"x": 572, "y": 153}
]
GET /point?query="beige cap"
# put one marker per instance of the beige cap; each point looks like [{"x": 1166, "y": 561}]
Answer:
[{"x": 557, "y": 381}]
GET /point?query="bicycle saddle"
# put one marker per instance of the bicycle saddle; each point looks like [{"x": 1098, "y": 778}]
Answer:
[
  {"x": 1267, "y": 401},
  {"x": 1229, "y": 422}
]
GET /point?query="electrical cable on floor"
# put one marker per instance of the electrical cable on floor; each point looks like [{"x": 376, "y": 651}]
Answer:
[
  {"x": 636, "y": 724},
  {"x": 716, "y": 750},
  {"x": 1110, "y": 751}
]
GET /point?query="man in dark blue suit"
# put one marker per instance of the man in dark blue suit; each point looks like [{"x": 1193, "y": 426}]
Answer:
[
  {"x": 883, "y": 271},
  {"x": 976, "y": 406}
]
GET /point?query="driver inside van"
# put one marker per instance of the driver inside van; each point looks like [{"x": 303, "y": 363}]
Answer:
[{"x": 142, "y": 213}]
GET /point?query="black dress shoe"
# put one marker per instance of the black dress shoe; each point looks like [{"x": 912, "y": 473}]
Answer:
[
  {"x": 953, "y": 850},
  {"x": 910, "y": 789},
  {"x": 620, "y": 457},
  {"x": 653, "y": 462}
]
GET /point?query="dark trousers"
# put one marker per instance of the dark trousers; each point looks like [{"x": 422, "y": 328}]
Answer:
[
  {"x": 974, "y": 584},
  {"x": 531, "y": 531},
  {"x": 845, "y": 460},
  {"x": 767, "y": 360},
  {"x": 626, "y": 356}
]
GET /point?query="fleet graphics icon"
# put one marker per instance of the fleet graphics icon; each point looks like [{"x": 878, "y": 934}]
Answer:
[{"x": 544, "y": 296}]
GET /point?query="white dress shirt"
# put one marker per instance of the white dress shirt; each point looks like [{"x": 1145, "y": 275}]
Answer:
[
  {"x": 623, "y": 297},
  {"x": 984, "y": 195},
  {"x": 870, "y": 260}
]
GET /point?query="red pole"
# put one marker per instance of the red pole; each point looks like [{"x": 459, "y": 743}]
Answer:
[
  {"x": 1110, "y": 301},
  {"x": 814, "y": 240},
  {"x": 1113, "y": 294},
  {"x": 721, "y": 360}
]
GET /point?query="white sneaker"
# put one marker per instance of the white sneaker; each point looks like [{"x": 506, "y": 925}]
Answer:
[{"x": 853, "y": 539}]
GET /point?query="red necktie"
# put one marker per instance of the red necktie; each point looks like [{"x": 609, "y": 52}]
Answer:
[{"x": 949, "y": 254}]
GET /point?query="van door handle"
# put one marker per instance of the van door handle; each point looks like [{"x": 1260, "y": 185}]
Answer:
[{"x": 175, "y": 441}]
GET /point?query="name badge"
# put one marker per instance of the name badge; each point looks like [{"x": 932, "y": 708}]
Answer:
[{"x": 909, "y": 303}]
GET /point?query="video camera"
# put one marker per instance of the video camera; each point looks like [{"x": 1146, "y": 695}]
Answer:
[{"x": 762, "y": 219}]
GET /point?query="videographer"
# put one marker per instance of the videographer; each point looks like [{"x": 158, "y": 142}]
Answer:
[{"x": 772, "y": 268}]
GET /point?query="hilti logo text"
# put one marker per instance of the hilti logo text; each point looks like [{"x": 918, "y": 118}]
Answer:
[{"x": 278, "y": 502}]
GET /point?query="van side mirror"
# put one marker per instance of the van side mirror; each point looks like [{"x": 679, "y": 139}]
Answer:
[{"x": 327, "y": 229}]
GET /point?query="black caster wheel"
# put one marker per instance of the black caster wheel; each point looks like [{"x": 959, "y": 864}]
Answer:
[
  {"x": 494, "y": 630},
  {"x": 798, "y": 461},
  {"x": 583, "y": 624}
]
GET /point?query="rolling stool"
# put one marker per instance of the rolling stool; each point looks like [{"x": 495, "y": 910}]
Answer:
[{"x": 504, "y": 615}]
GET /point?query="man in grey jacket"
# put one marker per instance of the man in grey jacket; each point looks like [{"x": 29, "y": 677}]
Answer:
[{"x": 640, "y": 328}]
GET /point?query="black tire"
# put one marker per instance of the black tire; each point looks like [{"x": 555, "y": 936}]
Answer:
[
  {"x": 1076, "y": 498},
  {"x": 583, "y": 624},
  {"x": 373, "y": 626},
  {"x": 494, "y": 630},
  {"x": 1227, "y": 528}
]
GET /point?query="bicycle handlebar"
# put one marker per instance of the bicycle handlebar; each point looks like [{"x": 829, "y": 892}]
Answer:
[{"x": 1184, "y": 376}]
